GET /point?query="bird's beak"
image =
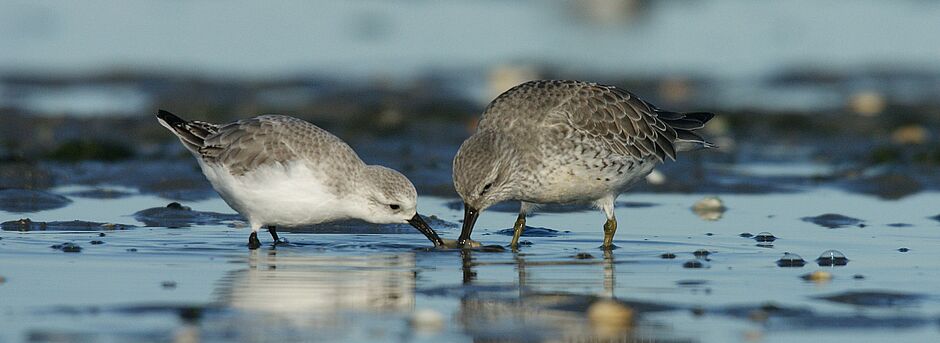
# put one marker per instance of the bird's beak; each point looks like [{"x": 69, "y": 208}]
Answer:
[
  {"x": 426, "y": 229},
  {"x": 470, "y": 215}
]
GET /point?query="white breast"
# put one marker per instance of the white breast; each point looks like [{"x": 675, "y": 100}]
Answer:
[{"x": 278, "y": 194}]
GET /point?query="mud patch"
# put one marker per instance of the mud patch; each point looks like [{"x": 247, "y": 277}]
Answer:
[
  {"x": 26, "y": 224},
  {"x": 834, "y": 221},
  {"x": 875, "y": 298},
  {"x": 175, "y": 215},
  {"x": 26, "y": 200}
]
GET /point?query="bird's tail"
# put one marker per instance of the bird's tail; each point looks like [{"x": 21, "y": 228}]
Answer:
[
  {"x": 191, "y": 133},
  {"x": 685, "y": 125}
]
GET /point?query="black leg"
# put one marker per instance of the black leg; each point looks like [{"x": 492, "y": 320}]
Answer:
[
  {"x": 253, "y": 242},
  {"x": 273, "y": 231}
]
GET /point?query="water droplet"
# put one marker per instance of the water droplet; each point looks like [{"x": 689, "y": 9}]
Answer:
[
  {"x": 765, "y": 237},
  {"x": 832, "y": 258},
  {"x": 791, "y": 260}
]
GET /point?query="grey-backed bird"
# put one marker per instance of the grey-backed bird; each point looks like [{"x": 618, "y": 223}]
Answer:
[
  {"x": 561, "y": 141},
  {"x": 279, "y": 170}
]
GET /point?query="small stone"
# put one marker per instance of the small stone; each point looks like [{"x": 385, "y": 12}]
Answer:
[
  {"x": 831, "y": 258},
  {"x": 427, "y": 320},
  {"x": 656, "y": 177},
  {"x": 791, "y": 260},
  {"x": 583, "y": 256},
  {"x": 746, "y": 235},
  {"x": 765, "y": 237},
  {"x": 693, "y": 264},
  {"x": 96, "y": 242},
  {"x": 610, "y": 313},
  {"x": 709, "y": 208},
  {"x": 701, "y": 253},
  {"x": 867, "y": 103},
  {"x": 858, "y": 276},
  {"x": 667, "y": 256},
  {"x": 101, "y": 234},
  {"x": 67, "y": 247},
  {"x": 2, "y": 280},
  {"x": 818, "y": 276},
  {"x": 904, "y": 249},
  {"x": 709, "y": 234},
  {"x": 168, "y": 284},
  {"x": 910, "y": 135},
  {"x": 131, "y": 249}
]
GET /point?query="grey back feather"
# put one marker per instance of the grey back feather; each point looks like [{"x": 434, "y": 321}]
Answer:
[
  {"x": 247, "y": 144},
  {"x": 613, "y": 117}
]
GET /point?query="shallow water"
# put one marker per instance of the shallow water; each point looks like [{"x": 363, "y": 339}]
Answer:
[{"x": 201, "y": 283}]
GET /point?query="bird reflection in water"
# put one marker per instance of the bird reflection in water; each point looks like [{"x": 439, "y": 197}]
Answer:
[
  {"x": 318, "y": 289},
  {"x": 549, "y": 298}
]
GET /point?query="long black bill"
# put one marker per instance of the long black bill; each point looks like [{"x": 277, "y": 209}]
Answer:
[
  {"x": 426, "y": 229},
  {"x": 470, "y": 215}
]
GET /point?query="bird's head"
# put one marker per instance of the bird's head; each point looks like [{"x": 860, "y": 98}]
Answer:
[
  {"x": 482, "y": 176},
  {"x": 391, "y": 199}
]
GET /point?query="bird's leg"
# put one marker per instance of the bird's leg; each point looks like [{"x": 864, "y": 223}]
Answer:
[
  {"x": 610, "y": 227},
  {"x": 272, "y": 229},
  {"x": 253, "y": 242},
  {"x": 519, "y": 226}
]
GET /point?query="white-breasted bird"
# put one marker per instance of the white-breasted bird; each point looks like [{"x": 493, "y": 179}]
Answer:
[{"x": 282, "y": 171}]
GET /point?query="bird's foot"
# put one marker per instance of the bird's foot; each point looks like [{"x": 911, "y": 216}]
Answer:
[
  {"x": 281, "y": 241},
  {"x": 253, "y": 242},
  {"x": 453, "y": 244}
]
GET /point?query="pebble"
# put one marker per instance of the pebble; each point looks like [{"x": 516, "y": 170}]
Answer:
[
  {"x": 791, "y": 260},
  {"x": 67, "y": 247},
  {"x": 583, "y": 256},
  {"x": 610, "y": 313},
  {"x": 693, "y": 264},
  {"x": 817, "y": 276},
  {"x": 832, "y": 258},
  {"x": 904, "y": 249},
  {"x": 427, "y": 320},
  {"x": 168, "y": 284},
  {"x": 667, "y": 256},
  {"x": 765, "y": 237},
  {"x": 709, "y": 208}
]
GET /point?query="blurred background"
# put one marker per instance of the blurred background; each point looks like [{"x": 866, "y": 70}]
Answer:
[
  {"x": 843, "y": 92},
  {"x": 828, "y": 117}
]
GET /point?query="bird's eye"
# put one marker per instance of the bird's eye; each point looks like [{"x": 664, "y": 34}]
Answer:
[
  {"x": 394, "y": 206},
  {"x": 486, "y": 188}
]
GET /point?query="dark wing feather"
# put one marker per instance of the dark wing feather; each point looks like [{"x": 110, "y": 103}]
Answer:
[{"x": 621, "y": 121}]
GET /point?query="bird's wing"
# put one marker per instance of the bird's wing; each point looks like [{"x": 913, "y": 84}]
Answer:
[
  {"x": 619, "y": 120},
  {"x": 245, "y": 145}
]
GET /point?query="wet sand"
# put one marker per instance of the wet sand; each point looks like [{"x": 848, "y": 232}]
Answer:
[{"x": 199, "y": 281}]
